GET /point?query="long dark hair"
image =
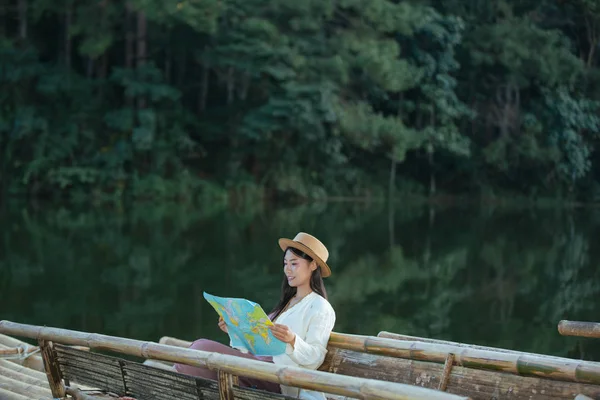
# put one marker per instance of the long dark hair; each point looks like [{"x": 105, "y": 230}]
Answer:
[{"x": 287, "y": 291}]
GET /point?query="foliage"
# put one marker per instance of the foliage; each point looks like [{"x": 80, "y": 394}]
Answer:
[{"x": 307, "y": 99}]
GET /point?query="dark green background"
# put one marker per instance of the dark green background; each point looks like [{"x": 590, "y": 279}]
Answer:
[{"x": 473, "y": 274}]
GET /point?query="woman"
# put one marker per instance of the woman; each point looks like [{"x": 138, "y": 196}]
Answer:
[{"x": 303, "y": 318}]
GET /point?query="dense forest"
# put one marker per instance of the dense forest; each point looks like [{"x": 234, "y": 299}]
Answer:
[{"x": 307, "y": 99}]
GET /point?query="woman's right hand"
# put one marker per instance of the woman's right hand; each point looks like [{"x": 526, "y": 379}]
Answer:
[{"x": 222, "y": 324}]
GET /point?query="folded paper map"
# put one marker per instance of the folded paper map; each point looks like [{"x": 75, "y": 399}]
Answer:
[{"x": 247, "y": 325}]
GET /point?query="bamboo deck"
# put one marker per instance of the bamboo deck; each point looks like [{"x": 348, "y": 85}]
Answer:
[
  {"x": 60, "y": 361},
  {"x": 368, "y": 367}
]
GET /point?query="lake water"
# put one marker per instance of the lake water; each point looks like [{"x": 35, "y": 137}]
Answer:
[{"x": 475, "y": 274}]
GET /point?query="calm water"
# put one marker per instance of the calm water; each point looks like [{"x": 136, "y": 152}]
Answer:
[{"x": 472, "y": 274}]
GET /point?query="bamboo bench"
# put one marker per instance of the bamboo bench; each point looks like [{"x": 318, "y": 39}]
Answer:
[
  {"x": 65, "y": 365},
  {"x": 474, "y": 371},
  {"x": 129, "y": 378},
  {"x": 479, "y": 372}
]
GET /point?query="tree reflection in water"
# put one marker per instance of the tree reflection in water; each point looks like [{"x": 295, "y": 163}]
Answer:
[{"x": 489, "y": 276}]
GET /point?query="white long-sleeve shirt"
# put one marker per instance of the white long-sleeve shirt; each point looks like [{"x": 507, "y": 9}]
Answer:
[{"x": 312, "y": 320}]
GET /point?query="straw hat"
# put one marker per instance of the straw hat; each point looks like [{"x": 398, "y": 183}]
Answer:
[{"x": 311, "y": 246}]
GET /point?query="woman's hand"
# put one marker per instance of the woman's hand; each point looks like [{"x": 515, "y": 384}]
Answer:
[
  {"x": 283, "y": 333},
  {"x": 222, "y": 324}
]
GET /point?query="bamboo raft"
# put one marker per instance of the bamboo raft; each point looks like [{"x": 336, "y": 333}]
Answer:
[
  {"x": 109, "y": 374},
  {"x": 386, "y": 366}
]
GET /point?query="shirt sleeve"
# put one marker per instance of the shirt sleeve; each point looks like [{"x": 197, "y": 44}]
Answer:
[{"x": 310, "y": 351}]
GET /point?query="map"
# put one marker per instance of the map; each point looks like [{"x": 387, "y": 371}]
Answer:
[{"x": 248, "y": 325}]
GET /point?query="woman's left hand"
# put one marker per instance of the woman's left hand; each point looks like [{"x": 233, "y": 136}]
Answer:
[{"x": 283, "y": 333}]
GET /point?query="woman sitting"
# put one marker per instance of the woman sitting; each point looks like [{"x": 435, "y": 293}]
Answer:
[{"x": 303, "y": 318}]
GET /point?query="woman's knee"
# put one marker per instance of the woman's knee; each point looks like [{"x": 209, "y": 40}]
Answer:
[{"x": 201, "y": 344}]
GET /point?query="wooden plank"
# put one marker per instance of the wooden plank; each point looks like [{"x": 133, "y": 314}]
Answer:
[
  {"x": 579, "y": 328},
  {"x": 141, "y": 386},
  {"x": 93, "y": 380},
  {"x": 207, "y": 389},
  {"x": 79, "y": 351},
  {"x": 92, "y": 369},
  {"x": 468, "y": 382},
  {"x": 52, "y": 369},
  {"x": 74, "y": 364},
  {"x": 167, "y": 385}
]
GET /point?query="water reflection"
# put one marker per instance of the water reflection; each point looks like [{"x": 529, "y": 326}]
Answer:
[{"x": 478, "y": 275}]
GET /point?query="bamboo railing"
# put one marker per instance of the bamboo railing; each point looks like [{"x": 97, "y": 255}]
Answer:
[
  {"x": 399, "y": 336},
  {"x": 524, "y": 364},
  {"x": 518, "y": 363},
  {"x": 579, "y": 328},
  {"x": 238, "y": 366}
]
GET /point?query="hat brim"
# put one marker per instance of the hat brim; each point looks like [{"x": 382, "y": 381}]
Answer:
[{"x": 285, "y": 243}]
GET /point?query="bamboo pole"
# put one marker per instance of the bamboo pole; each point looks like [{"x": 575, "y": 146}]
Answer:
[
  {"x": 34, "y": 361},
  {"x": 8, "y": 395},
  {"x": 518, "y": 363},
  {"x": 285, "y": 375},
  {"x": 556, "y": 368},
  {"x": 159, "y": 365},
  {"x": 52, "y": 369},
  {"x": 225, "y": 386},
  {"x": 447, "y": 371},
  {"x": 579, "y": 328},
  {"x": 24, "y": 389},
  {"x": 10, "y": 352},
  {"x": 12, "y": 342},
  {"x": 397, "y": 336},
  {"x": 171, "y": 341},
  {"x": 23, "y": 370},
  {"x": 21, "y": 377}
]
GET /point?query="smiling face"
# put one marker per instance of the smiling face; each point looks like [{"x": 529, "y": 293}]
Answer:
[{"x": 297, "y": 269}]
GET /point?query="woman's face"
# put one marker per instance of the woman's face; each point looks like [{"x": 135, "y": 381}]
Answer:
[{"x": 297, "y": 269}]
